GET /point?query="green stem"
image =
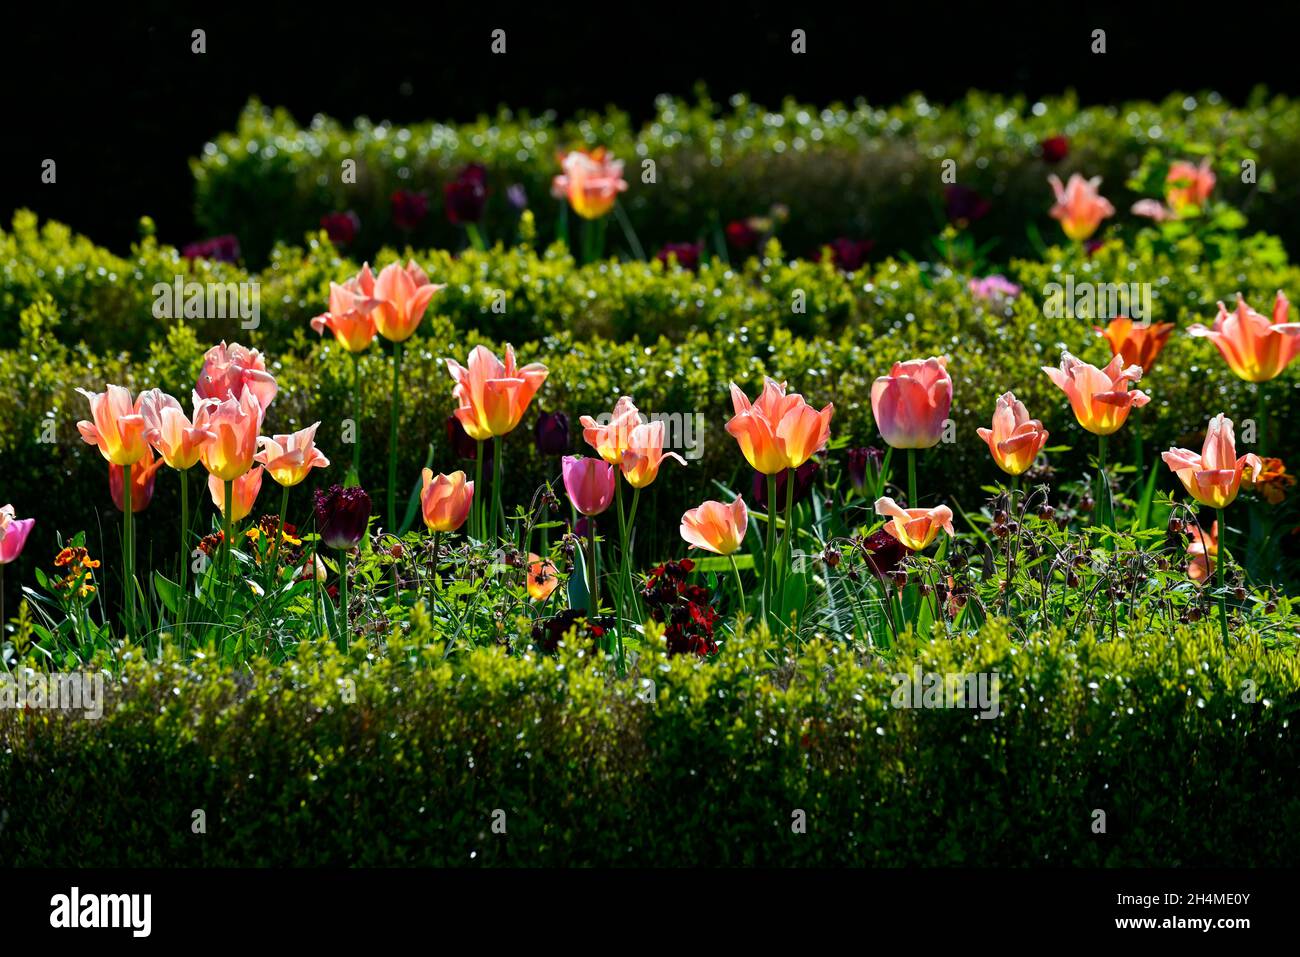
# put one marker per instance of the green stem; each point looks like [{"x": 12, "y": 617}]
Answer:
[
  {"x": 788, "y": 535},
  {"x": 476, "y": 505},
  {"x": 1261, "y": 422},
  {"x": 619, "y": 590},
  {"x": 912, "y": 501},
  {"x": 740, "y": 587},
  {"x": 356, "y": 417},
  {"x": 595, "y": 567},
  {"x": 128, "y": 546},
  {"x": 476, "y": 237},
  {"x": 279, "y": 534},
  {"x": 498, "y": 512},
  {"x": 226, "y": 545},
  {"x": 343, "y": 601},
  {"x": 770, "y": 552},
  {"x": 392, "y": 437},
  {"x": 183, "y": 605},
  {"x": 631, "y": 586},
  {"x": 1222, "y": 561},
  {"x": 1103, "y": 485}
]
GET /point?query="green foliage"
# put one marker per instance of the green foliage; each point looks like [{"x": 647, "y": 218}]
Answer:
[
  {"x": 855, "y": 170},
  {"x": 403, "y": 758}
]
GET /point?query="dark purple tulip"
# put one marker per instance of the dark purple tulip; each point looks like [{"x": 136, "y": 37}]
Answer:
[
  {"x": 963, "y": 205},
  {"x": 850, "y": 254},
  {"x": 803, "y": 480},
  {"x": 466, "y": 195},
  {"x": 342, "y": 227},
  {"x": 463, "y": 445},
  {"x": 518, "y": 196},
  {"x": 688, "y": 254},
  {"x": 219, "y": 248},
  {"x": 552, "y": 433},
  {"x": 409, "y": 208},
  {"x": 1055, "y": 149},
  {"x": 742, "y": 236},
  {"x": 342, "y": 516},
  {"x": 859, "y": 459},
  {"x": 884, "y": 553}
]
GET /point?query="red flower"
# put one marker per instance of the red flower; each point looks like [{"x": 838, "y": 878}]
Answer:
[
  {"x": 341, "y": 227},
  {"x": 409, "y": 208},
  {"x": 1055, "y": 149},
  {"x": 687, "y": 254},
  {"x": 466, "y": 195},
  {"x": 742, "y": 236}
]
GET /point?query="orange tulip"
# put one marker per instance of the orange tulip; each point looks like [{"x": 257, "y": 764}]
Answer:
[
  {"x": 1187, "y": 185},
  {"x": 610, "y": 441},
  {"x": 542, "y": 577},
  {"x": 1101, "y": 398},
  {"x": 445, "y": 500},
  {"x": 170, "y": 431},
  {"x": 118, "y": 427},
  {"x": 1015, "y": 439},
  {"x": 915, "y": 528},
  {"x": 645, "y": 453},
  {"x": 590, "y": 182},
  {"x": 350, "y": 316},
  {"x": 1204, "y": 551},
  {"x": 234, "y": 425},
  {"x": 1213, "y": 478},
  {"x": 243, "y": 493},
  {"x": 912, "y": 403},
  {"x": 142, "y": 482},
  {"x": 1079, "y": 207},
  {"x": 403, "y": 295},
  {"x": 229, "y": 369},
  {"x": 493, "y": 395},
  {"x": 777, "y": 431},
  {"x": 289, "y": 458},
  {"x": 1138, "y": 342},
  {"x": 1255, "y": 348},
  {"x": 716, "y": 526}
]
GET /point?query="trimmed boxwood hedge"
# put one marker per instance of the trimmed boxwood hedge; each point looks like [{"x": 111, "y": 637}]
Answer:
[
  {"x": 1189, "y": 751},
  {"x": 855, "y": 170}
]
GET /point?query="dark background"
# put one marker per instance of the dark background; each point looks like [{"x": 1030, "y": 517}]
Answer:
[{"x": 121, "y": 103}]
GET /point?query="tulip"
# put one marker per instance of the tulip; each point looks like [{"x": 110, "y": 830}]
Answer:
[
  {"x": 551, "y": 434},
  {"x": 645, "y": 453},
  {"x": 1204, "y": 551},
  {"x": 862, "y": 459},
  {"x": 341, "y": 227},
  {"x": 289, "y": 458},
  {"x": 777, "y": 431},
  {"x": 118, "y": 427},
  {"x": 1015, "y": 439},
  {"x": 227, "y": 370},
  {"x": 884, "y": 553},
  {"x": 963, "y": 205},
  {"x": 243, "y": 494},
  {"x": 445, "y": 500},
  {"x": 1188, "y": 186},
  {"x": 1139, "y": 343},
  {"x": 404, "y": 295},
  {"x": 589, "y": 482},
  {"x": 342, "y": 515},
  {"x": 234, "y": 424},
  {"x": 313, "y": 569},
  {"x": 409, "y": 208},
  {"x": 13, "y": 535},
  {"x": 465, "y": 198},
  {"x": 1255, "y": 348},
  {"x": 1100, "y": 398},
  {"x": 1079, "y": 207},
  {"x": 492, "y": 397},
  {"x": 351, "y": 312},
  {"x": 170, "y": 431},
  {"x": 543, "y": 578},
  {"x": 1213, "y": 477},
  {"x": 912, "y": 403},
  {"x": 1055, "y": 148},
  {"x": 915, "y": 528},
  {"x": 142, "y": 482},
  {"x": 590, "y": 182},
  {"x": 611, "y": 440},
  {"x": 716, "y": 526}
]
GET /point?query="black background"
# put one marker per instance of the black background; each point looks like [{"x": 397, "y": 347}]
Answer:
[{"x": 121, "y": 102}]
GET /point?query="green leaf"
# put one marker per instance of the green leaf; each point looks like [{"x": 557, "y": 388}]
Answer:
[{"x": 168, "y": 592}]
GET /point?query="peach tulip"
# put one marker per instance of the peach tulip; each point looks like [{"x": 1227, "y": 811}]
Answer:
[
  {"x": 1101, "y": 398},
  {"x": 1255, "y": 348},
  {"x": 1015, "y": 439},
  {"x": 1138, "y": 342},
  {"x": 13, "y": 534},
  {"x": 289, "y": 458},
  {"x": 1204, "y": 551},
  {"x": 243, "y": 493},
  {"x": 493, "y": 395},
  {"x": 228, "y": 369},
  {"x": 118, "y": 427},
  {"x": 645, "y": 453},
  {"x": 914, "y": 528},
  {"x": 1213, "y": 478},
  {"x": 403, "y": 295},
  {"x": 912, "y": 403},
  {"x": 590, "y": 182},
  {"x": 611, "y": 440},
  {"x": 1079, "y": 207},
  {"x": 350, "y": 316},
  {"x": 445, "y": 500},
  {"x": 716, "y": 526},
  {"x": 234, "y": 425},
  {"x": 542, "y": 577},
  {"x": 170, "y": 431},
  {"x": 590, "y": 483},
  {"x": 1187, "y": 185},
  {"x": 778, "y": 431},
  {"x": 142, "y": 482}
]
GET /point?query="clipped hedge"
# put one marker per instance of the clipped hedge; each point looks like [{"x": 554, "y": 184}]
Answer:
[
  {"x": 1189, "y": 751},
  {"x": 860, "y": 170}
]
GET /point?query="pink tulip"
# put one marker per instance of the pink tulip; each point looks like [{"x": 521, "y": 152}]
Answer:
[
  {"x": 13, "y": 534},
  {"x": 1256, "y": 348},
  {"x": 143, "y": 474},
  {"x": 590, "y": 182},
  {"x": 716, "y": 526},
  {"x": 288, "y": 458},
  {"x": 169, "y": 430},
  {"x": 645, "y": 453},
  {"x": 1079, "y": 207},
  {"x": 350, "y": 312},
  {"x": 912, "y": 403},
  {"x": 117, "y": 427},
  {"x": 1213, "y": 478},
  {"x": 404, "y": 295},
  {"x": 227, "y": 369},
  {"x": 243, "y": 493},
  {"x": 1100, "y": 398},
  {"x": 234, "y": 425},
  {"x": 1015, "y": 439},
  {"x": 590, "y": 483},
  {"x": 610, "y": 441},
  {"x": 915, "y": 528}
]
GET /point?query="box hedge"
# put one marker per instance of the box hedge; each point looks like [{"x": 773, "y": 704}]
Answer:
[{"x": 406, "y": 758}]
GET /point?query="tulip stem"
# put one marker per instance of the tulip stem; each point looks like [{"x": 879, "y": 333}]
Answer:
[
  {"x": 911, "y": 480},
  {"x": 595, "y": 568},
  {"x": 343, "y": 601},
  {"x": 770, "y": 552},
  {"x": 128, "y": 551},
  {"x": 476, "y": 504},
  {"x": 183, "y": 603},
  {"x": 226, "y": 555},
  {"x": 631, "y": 586},
  {"x": 1103, "y": 485},
  {"x": 356, "y": 417},
  {"x": 619, "y": 590},
  {"x": 475, "y": 237},
  {"x": 787, "y": 536},
  {"x": 1222, "y": 561},
  {"x": 1261, "y": 423},
  {"x": 498, "y": 512},
  {"x": 279, "y": 534},
  {"x": 392, "y": 438},
  {"x": 740, "y": 587}
]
